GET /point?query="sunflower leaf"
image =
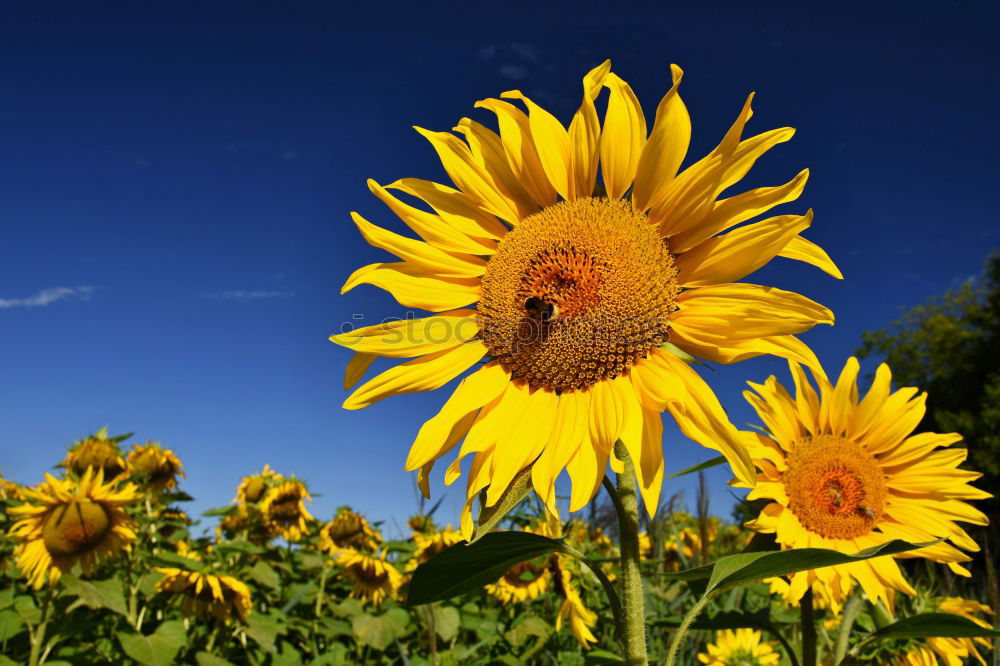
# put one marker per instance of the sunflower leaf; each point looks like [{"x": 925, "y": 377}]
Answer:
[
  {"x": 490, "y": 516},
  {"x": 933, "y": 625},
  {"x": 465, "y": 568},
  {"x": 711, "y": 462},
  {"x": 734, "y": 570},
  {"x": 159, "y": 648}
]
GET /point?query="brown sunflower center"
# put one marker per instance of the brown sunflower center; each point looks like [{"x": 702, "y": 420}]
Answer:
[
  {"x": 285, "y": 507},
  {"x": 75, "y": 527},
  {"x": 835, "y": 487},
  {"x": 577, "y": 293},
  {"x": 371, "y": 575}
]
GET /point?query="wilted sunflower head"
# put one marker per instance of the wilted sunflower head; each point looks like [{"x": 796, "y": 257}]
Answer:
[
  {"x": 579, "y": 307},
  {"x": 843, "y": 472},
  {"x": 374, "y": 578},
  {"x": 157, "y": 468},
  {"x": 348, "y": 531},
  {"x": 522, "y": 582},
  {"x": 252, "y": 488},
  {"x": 283, "y": 506},
  {"x": 740, "y": 647},
  {"x": 581, "y": 619},
  {"x": 98, "y": 451},
  {"x": 64, "y": 522},
  {"x": 421, "y": 524},
  {"x": 431, "y": 545},
  {"x": 204, "y": 595},
  {"x": 171, "y": 520}
]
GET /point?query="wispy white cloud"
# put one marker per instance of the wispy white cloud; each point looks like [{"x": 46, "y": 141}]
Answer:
[
  {"x": 47, "y": 297},
  {"x": 249, "y": 295}
]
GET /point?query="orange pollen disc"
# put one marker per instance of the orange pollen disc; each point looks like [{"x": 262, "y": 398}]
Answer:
[
  {"x": 835, "y": 487},
  {"x": 577, "y": 293}
]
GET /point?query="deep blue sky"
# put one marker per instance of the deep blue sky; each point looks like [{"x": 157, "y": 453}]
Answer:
[{"x": 176, "y": 181}]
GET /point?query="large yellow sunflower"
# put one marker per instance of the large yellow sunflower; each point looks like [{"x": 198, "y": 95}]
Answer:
[
  {"x": 589, "y": 300},
  {"x": 740, "y": 647},
  {"x": 203, "y": 595},
  {"x": 284, "y": 507},
  {"x": 156, "y": 466},
  {"x": 845, "y": 473},
  {"x": 68, "y": 522}
]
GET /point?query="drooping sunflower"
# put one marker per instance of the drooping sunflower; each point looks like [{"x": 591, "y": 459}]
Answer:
[
  {"x": 204, "y": 595},
  {"x": 246, "y": 519},
  {"x": 523, "y": 582},
  {"x": 348, "y": 531},
  {"x": 421, "y": 524},
  {"x": 99, "y": 451},
  {"x": 157, "y": 467},
  {"x": 844, "y": 473},
  {"x": 740, "y": 647},
  {"x": 589, "y": 300},
  {"x": 954, "y": 651},
  {"x": 430, "y": 545},
  {"x": 172, "y": 519},
  {"x": 252, "y": 488},
  {"x": 581, "y": 619},
  {"x": 284, "y": 506},
  {"x": 65, "y": 522},
  {"x": 374, "y": 578}
]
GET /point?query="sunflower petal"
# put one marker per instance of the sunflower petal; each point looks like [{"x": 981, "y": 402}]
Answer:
[
  {"x": 414, "y": 287},
  {"x": 419, "y": 253},
  {"x": 471, "y": 394},
  {"x": 424, "y": 373},
  {"x": 801, "y": 249},
  {"x": 522, "y": 154},
  {"x": 412, "y": 337},
  {"x": 551, "y": 141},
  {"x": 623, "y": 137},
  {"x": 665, "y": 150},
  {"x": 585, "y": 134},
  {"x": 735, "y": 255},
  {"x": 356, "y": 368},
  {"x": 454, "y": 207},
  {"x": 470, "y": 177}
]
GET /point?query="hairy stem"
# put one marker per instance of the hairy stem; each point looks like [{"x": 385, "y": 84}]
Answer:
[
  {"x": 681, "y": 631},
  {"x": 633, "y": 629}
]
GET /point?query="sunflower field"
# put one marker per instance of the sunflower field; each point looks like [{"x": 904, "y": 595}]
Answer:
[{"x": 103, "y": 566}]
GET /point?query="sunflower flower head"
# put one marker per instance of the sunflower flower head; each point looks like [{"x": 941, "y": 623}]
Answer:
[
  {"x": 421, "y": 524},
  {"x": 283, "y": 506},
  {"x": 252, "y": 488},
  {"x": 740, "y": 647},
  {"x": 9, "y": 490},
  {"x": 844, "y": 472},
  {"x": 374, "y": 578},
  {"x": 586, "y": 301},
  {"x": 156, "y": 468},
  {"x": 65, "y": 522},
  {"x": 431, "y": 545},
  {"x": 205, "y": 595},
  {"x": 349, "y": 530},
  {"x": 248, "y": 520},
  {"x": 99, "y": 451}
]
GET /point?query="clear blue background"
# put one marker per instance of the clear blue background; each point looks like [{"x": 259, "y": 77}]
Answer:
[{"x": 184, "y": 171}]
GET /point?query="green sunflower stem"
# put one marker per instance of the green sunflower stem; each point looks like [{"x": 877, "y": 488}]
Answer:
[
  {"x": 685, "y": 625},
  {"x": 808, "y": 619},
  {"x": 632, "y": 633},
  {"x": 38, "y": 635}
]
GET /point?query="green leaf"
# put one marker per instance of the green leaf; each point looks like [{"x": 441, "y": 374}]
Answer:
[
  {"x": 464, "y": 568},
  {"x": 157, "y": 649},
  {"x": 446, "y": 622},
  {"x": 490, "y": 516},
  {"x": 97, "y": 594},
  {"x": 165, "y": 558},
  {"x": 735, "y": 570},
  {"x": 263, "y": 628},
  {"x": 602, "y": 658},
  {"x": 379, "y": 631},
  {"x": 10, "y": 625},
  {"x": 723, "y": 620},
  {"x": 526, "y": 628},
  {"x": 208, "y": 659},
  {"x": 711, "y": 462},
  {"x": 239, "y": 546},
  {"x": 221, "y": 511},
  {"x": 932, "y": 625},
  {"x": 265, "y": 575}
]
